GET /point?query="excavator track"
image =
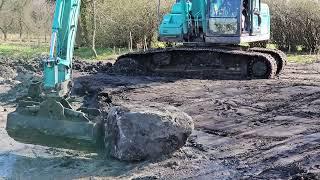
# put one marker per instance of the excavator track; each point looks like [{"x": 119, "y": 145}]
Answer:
[
  {"x": 279, "y": 56},
  {"x": 199, "y": 62}
]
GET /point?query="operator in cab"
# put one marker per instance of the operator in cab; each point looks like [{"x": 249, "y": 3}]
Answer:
[
  {"x": 245, "y": 16},
  {"x": 220, "y": 8}
]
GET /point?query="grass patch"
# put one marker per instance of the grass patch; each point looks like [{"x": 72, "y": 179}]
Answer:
[
  {"x": 22, "y": 50},
  {"x": 300, "y": 58},
  {"x": 103, "y": 53},
  {"x": 26, "y": 51},
  {"x": 271, "y": 46}
]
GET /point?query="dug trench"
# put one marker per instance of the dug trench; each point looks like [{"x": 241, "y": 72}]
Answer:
[{"x": 251, "y": 129}]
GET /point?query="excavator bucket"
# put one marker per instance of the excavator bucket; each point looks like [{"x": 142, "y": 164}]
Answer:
[{"x": 52, "y": 122}]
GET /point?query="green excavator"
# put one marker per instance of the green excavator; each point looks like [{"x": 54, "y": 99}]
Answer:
[
  {"x": 215, "y": 39},
  {"x": 224, "y": 39}
]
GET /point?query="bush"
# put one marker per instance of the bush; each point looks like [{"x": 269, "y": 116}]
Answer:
[{"x": 295, "y": 23}]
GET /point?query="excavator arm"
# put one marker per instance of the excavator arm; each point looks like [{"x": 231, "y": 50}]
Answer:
[
  {"x": 45, "y": 116},
  {"x": 58, "y": 68}
]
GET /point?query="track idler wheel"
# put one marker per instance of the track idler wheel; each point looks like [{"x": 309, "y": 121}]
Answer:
[
  {"x": 263, "y": 68},
  {"x": 279, "y": 56}
]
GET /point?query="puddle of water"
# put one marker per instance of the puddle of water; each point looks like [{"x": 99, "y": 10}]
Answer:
[{"x": 7, "y": 162}]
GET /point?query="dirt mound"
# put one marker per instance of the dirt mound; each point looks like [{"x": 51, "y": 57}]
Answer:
[
  {"x": 7, "y": 72},
  {"x": 35, "y": 64},
  {"x": 91, "y": 67},
  {"x": 17, "y": 74},
  {"x": 32, "y": 65},
  {"x": 128, "y": 66}
]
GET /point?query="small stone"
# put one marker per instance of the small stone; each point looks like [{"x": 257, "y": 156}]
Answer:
[{"x": 146, "y": 178}]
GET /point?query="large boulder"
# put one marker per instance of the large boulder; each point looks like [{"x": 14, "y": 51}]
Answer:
[{"x": 135, "y": 132}]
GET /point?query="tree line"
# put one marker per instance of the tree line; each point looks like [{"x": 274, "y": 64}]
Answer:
[{"x": 110, "y": 22}]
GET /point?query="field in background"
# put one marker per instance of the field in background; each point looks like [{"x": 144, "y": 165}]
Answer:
[
  {"x": 31, "y": 46},
  {"x": 30, "y": 50},
  {"x": 33, "y": 49}
]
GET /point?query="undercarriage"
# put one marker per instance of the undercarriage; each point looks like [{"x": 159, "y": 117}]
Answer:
[{"x": 207, "y": 62}]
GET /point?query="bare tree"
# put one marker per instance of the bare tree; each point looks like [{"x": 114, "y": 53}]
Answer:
[
  {"x": 6, "y": 19},
  {"x": 19, "y": 10},
  {"x": 40, "y": 17},
  {"x": 94, "y": 27}
]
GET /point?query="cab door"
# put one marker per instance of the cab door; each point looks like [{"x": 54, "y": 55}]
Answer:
[{"x": 255, "y": 17}]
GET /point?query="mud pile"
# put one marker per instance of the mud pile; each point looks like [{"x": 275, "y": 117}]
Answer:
[
  {"x": 16, "y": 75},
  {"x": 129, "y": 67},
  {"x": 124, "y": 67},
  {"x": 91, "y": 67},
  {"x": 7, "y": 72}
]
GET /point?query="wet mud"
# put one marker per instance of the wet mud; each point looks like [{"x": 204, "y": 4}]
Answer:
[{"x": 249, "y": 129}]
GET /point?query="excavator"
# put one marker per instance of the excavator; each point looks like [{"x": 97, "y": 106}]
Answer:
[
  {"x": 213, "y": 39},
  {"x": 223, "y": 39}
]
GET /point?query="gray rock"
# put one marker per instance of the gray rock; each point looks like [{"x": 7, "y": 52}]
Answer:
[{"x": 134, "y": 133}]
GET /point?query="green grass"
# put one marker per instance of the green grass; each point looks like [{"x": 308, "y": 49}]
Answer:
[
  {"x": 16, "y": 50},
  {"x": 22, "y": 50},
  {"x": 103, "y": 53},
  {"x": 271, "y": 46},
  {"x": 301, "y": 58}
]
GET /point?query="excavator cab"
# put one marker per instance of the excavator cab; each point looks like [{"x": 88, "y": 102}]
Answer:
[
  {"x": 217, "y": 22},
  {"x": 236, "y": 21}
]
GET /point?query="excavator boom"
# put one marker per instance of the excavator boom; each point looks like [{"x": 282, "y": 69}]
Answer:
[
  {"x": 44, "y": 116},
  {"x": 57, "y": 69}
]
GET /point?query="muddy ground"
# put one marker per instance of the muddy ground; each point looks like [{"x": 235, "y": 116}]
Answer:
[{"x": 258, "y": 129}]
